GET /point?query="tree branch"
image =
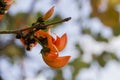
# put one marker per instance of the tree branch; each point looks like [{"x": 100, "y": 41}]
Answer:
[{"x": 34, "y": 26}]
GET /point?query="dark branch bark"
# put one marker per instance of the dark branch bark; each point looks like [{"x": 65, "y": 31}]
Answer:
[{"x": 36, "y": 25}]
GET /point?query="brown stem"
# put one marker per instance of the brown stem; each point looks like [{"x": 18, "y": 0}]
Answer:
[{"x": 36, "y": 25}]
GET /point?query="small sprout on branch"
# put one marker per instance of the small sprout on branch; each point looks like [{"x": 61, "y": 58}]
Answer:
[{"x": 48, "y": 14}]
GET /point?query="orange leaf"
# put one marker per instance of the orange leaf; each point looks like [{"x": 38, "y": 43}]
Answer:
[
  {"x": 23, "y": 41},
  {"x": 8, "y": 3},
  {"x": 60, "y": 43},
  {"x": 50, "y": 56},
  {"x": 58, "y": 62},
  {"x": 49, "y": 37},
  {"x": 1, "y": 16},
  {"x": 48, "y": 14}
]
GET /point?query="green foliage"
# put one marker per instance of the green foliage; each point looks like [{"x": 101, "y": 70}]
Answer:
[
  {"x": 78, "y": 47},
  {"x": 12, "y": 51},
  {"x": 58, "y": 75},
  {"x": 78, "y": 65},
  {"x": 110, "y": 16},
  {"x": 104, "y": 58},
  {"x": 97, "y": 36}
]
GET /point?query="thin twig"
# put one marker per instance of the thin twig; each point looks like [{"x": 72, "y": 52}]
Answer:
[{"x": 47, "y": 25}]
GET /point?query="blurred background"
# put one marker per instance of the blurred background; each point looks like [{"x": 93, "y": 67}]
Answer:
[{"x": 93, "y": 40}]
